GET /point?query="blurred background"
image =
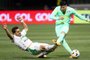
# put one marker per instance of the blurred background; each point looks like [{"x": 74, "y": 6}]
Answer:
[
  {"x": 42, "y": 29},
  {"x": 40, "y": 4}
]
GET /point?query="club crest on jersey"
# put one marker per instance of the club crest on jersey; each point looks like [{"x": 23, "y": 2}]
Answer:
[{"x": 68, "y": 11}]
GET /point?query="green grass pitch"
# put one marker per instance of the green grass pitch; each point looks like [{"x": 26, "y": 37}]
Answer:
[{"x": 78, "y": 38}]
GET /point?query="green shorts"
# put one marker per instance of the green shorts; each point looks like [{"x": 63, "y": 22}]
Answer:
[
  {"x": 33, "y": 52},
  {"x": 61, "y": 27}
]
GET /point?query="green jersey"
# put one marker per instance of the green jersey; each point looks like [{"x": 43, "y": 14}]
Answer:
[{"x": 69, "y": 11}]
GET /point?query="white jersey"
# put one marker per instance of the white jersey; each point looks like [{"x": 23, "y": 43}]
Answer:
[{"x": 22, "y": 41}]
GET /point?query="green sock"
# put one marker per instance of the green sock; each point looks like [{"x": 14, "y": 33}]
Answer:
[
  {"x": 66, "y": 46},
  {"x": 64, "y": 43},
  {"x": 61, "y": 37}
]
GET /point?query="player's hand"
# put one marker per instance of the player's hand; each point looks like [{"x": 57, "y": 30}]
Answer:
[
  {"x": 4, "y": 27},
  {"x": 61, "y": 18},
  {"x": 20, "y": 19}
]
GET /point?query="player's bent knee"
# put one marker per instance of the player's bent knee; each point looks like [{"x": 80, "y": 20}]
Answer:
[
  {"x": 42, "y": 48},
  {"x": 63, "y": 32}
]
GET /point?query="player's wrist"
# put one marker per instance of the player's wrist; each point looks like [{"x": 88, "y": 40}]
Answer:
[
  {"x": 6, "y": 29},
  {"x": 21, "y": 21}
]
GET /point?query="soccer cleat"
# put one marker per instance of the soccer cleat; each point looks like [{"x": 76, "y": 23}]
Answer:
[
  {"x": 74, "y": 57},
  {"x": 70, "y": 57},
  {"x": 44, "y": 56},
  {"x": 58, "y": 43},
  {"x": 55, "y": 42},
  {"x": 41, "y": 55}
]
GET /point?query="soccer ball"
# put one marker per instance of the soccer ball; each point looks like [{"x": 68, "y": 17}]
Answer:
[{"x": 75, "y": 53}]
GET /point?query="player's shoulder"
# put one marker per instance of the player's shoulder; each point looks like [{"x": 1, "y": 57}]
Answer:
[
  {"x": 57, "y": 7},
  {"x": 70, "y": 8}
]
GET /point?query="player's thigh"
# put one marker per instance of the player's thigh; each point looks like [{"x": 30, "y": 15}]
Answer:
[
  {"x": 61, "y": 29},
  {"x": 35, "y": 46},
  {"x": 39, "y": 46},
  {"x": 44, "y": 46},
  {"x": 65, "y": 29},
  {"x": 58, "y": 29}
]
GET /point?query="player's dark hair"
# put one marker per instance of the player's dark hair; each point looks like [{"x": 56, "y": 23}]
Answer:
[
  {"x": 62, "y": 3},
  {"x": 14, "y": 29}
]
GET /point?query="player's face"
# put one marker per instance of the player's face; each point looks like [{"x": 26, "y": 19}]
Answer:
[
  {"x": 18, "y": 33},
  {"x": 63, "y": 8}
]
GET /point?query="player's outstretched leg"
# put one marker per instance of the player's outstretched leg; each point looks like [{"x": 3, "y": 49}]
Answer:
[
  {"x": 48, "y": 50},
  {"x": 42, "y": 55},
  {"x": 60, "y": 38},
  {"x": 66, "y": 46}
]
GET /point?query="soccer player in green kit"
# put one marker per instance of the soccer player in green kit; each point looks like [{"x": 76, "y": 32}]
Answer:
[{"x": 62, "y": 15}]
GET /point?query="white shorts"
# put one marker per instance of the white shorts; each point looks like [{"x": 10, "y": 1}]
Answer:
[{"x": 37, "y": 46}]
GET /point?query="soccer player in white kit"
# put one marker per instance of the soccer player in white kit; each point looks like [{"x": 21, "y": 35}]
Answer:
[{"x": 20, "y": 39}]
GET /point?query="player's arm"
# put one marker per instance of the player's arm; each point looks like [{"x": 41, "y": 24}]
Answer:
[
  {"x": 53, "y": 14},
  {"x": 23, "y": 23},
  {"x": 80, "y": 16},
  {"x": 10, "y": 35}
]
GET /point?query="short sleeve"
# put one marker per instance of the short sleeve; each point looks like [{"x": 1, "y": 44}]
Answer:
[{"x": 24, "y": 32}]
